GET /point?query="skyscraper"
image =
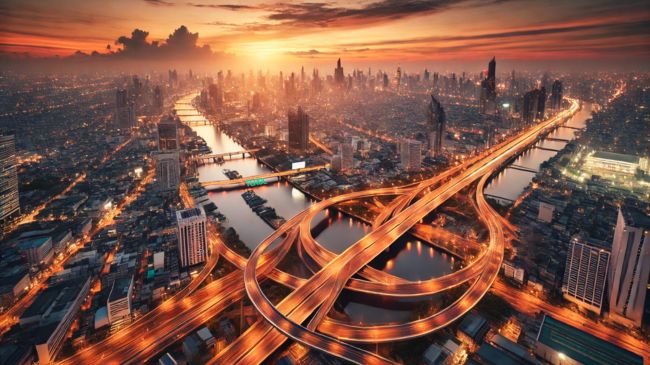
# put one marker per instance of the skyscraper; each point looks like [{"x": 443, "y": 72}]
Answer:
[
  {"x": 298, "y": 129},
  {"x": 339, "y": 76},
  {"x": 168, "y": 170},
  {"x": 410, "y": 154},
  {"x": 158, "y": 100},
  {"x": 168, "y": 134},
  {"x": 436, "y": 124},
  {"x": 124, "y": 110},
  {"x": 9, "y": 203},
  {"x": 629, "y": 267},
  {"x": 488, "y": 97},
  {"x": 556, "y": 95},
  {"x": 347, "y": 156},
  {"x": 533, "y": 105},
  {"x": 541, "y": 103},
  {"x": 585, "y": 276},
  {"x": 192, "y": 236}
]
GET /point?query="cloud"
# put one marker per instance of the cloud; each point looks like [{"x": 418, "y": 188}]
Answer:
[
  {"x": 159, "y": 3},
  {"x": 233, "y": 7},
  {"x": 283, "y": 15},
  {"x": 181, "y": 44}
]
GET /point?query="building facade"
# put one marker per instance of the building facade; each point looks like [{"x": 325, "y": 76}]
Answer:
[
  {"x": 168, "y": 170},
  {"x": 192, "y": 236},
  {"x": 298, "y": 130},
  {"x": 585, "y": 276},
  {"x": 411, "y": 155},
  {"x": 436, "y": 126},
  {"x": 9, "y": 202},
  {"x": 629, "y": 267}
]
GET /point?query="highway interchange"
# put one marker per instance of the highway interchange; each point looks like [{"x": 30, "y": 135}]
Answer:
[{"x": 314, "y": 296}]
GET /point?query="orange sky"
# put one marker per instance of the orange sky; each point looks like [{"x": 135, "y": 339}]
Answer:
[{"x": 277, "y": 32}]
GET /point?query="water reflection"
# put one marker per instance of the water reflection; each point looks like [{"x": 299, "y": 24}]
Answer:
[{"x": 510, "y": 182}]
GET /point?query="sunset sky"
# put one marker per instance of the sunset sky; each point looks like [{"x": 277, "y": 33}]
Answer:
[{"x": 381, "y": 31}]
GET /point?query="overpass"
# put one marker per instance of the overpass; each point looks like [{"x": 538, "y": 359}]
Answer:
[
  {"x": 215, "y": 156},
  {"x": 316, "y": 294},
  {"x": 261, "y": 179}
]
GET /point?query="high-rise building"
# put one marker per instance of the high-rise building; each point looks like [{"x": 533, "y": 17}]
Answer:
[
  {"x": 124, "y": 110},
  {"x": 158, "y": 99},
  {"x": 585, "y": 276},
  {"x": 533, "y": 105},
  {"x": 629, "y": 267},
  {"x": 488, "y": 97},
  {"x": 339, "y": 76},
  {"x": 347, "y": 156},
  {"x": 541, "y": 103},
  {"x": 118, "y": 304},
  {"x": 9, "y": 202},
  {"x": 192, "y": 236},
  {"x": 168, "y": 134},
  {"x": 168, "y": 170},
  {"x": 298, "y": 129},
  {"x": 436, "y": 125},
  {"x": 556, "y": 95},
  {"x": 411, "y": 155}
]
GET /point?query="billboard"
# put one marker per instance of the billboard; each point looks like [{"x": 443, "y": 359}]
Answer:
[{"x": 298, "y": 165}]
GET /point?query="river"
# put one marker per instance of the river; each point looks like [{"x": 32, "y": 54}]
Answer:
[{"x": 511, "y": 182}]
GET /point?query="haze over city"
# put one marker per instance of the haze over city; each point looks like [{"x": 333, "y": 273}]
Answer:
[{"x": 439, "y": 182}]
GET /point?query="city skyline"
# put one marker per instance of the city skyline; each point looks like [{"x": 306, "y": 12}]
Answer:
[{"x": 561, "y": 35}]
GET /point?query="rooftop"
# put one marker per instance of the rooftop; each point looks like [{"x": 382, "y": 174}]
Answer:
[
  {"x": 33, "y": 243},
  {"x": 581, "y": 346},
  {"x": 472, "y": 325},
  {"x": 120, "y": 288},
  {"x": 616, "y": 157},
  {"x": 55, "y": 299},
  {"x": 189, "y": 213}
]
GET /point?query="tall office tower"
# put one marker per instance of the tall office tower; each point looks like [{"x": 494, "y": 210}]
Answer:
[
  {"x": 124, "y": 110},
  {"x": 168, "y": 134},
  {"x": 168, "y": 170},
  {"x": 158, "y": 100},
  {"x": 192, "y": 236},
  {"x": 530, "y": 106},
  {"x": 215, "y": 96},
  {"x": 398, "y": 76},
  {"x": 556, "y": 95},
  {"x": 629, "y": 267},
  {"x": 339, "y": 76},
  {"x": 410, "y": 154},
  {"x": 488, "y": 97},
  {"x": 541, "y": 103},
  {"x": 9, "y": 203},
  {"x": 437, "y": 121},
  {"x": 585, "y": 276},
  {"x": 426, "y": 75},
  {"x": 513, "y": 84},
  {"x": 385, "y": 80},
  {"x": 347, "y": 156},
  {"x": 298, "y": 129},
  {"x": 173, "y": 78}
]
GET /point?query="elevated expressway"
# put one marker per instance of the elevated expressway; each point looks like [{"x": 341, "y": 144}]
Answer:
[
  {"x": 317, "y": 294},
  {"x": 180, "y": 315}
]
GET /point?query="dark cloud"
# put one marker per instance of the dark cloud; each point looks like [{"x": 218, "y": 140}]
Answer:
[
  {"x": 233, "y": 7},
  {"x": 159, "y": 2},
  {"x": 325, "y": 14},
  {"x": 181, "y": 44},
  {"x": 591, "y": 31},
  {"x": 310, "y": 53}
]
